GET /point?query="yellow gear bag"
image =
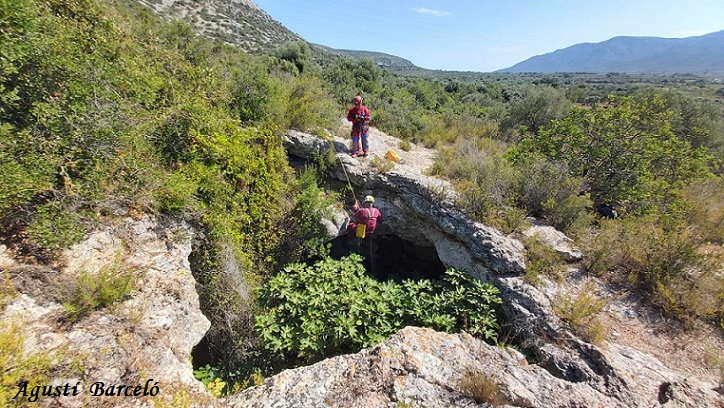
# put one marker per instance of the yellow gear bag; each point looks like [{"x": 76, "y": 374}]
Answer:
[
  {"x": 391, "y": 155},
  {"x": 361, "y": 230}
]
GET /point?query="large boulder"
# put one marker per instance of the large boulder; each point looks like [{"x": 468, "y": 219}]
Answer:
[{"x": 423, "y": 368}]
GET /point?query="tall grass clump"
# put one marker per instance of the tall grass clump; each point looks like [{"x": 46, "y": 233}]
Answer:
[
  {"x": 95, "y": 291},
  {"x": 581, "y": 311},
  {"x": 663, "y": 260},
  {"x": 483, "y": 388}
]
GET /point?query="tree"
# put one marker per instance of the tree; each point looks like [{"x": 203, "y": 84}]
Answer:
[
  {"x": 296, "y": 52},
  {"x": 537, "y": 106},
  {"x": 625, "y": 151}
]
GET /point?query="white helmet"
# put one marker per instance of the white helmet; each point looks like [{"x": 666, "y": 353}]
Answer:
[{"x": 369, "y": 199}]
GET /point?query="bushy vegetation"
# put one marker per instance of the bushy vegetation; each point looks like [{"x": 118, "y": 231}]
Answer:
[
  {"x": 666, "y": 260},
  {"x": 334, "y": 307},
  {"x": 106, "y": 110},
  {"x": 96, "y": 291},
  {"x": 16, "y": 367},
  {"x": 581, "y": 311}
]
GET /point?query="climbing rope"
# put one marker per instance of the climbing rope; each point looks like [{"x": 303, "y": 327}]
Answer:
[
  {"x": 349, "y": 183},
  {"x": 372, "y": 257}
]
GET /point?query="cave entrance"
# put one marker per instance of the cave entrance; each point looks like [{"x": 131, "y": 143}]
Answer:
[
  {"x": 201, "y": 355},
  {"x": 390, "y": 257}
]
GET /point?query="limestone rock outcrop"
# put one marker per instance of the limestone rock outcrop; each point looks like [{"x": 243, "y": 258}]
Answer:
[
  {"x": 148, "y": 336},
  {"x": 423, "y": 368},
  {"x": 420, "y": 208}
]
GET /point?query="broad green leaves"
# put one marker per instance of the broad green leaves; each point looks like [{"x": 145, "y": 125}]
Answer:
[{"x": 334, "y": 307}]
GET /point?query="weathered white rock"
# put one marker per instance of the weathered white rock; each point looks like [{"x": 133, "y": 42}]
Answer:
[
  {"x": 424, "y": 368},
  {"x": 148, "y": 336},
  {"x": 554, "y": 239}
]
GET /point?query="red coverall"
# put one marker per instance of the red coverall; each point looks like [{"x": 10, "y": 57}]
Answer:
[
  {"x": 369, "y": 216},
  {"x": 359, "y": 116}
]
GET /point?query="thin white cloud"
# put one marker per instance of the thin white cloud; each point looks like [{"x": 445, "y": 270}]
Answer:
[{"x": 436, "y": 13}]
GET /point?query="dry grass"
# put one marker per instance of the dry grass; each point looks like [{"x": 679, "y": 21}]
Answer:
[
  {"x": 483, "y": 388},
  {"x": 381, "y": 164},
  {"x": 663, "y": 260},
  {"x": 541, "y": 260},
  {"x": 581, "y": 311}
]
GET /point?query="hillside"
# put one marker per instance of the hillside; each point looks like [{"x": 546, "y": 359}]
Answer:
[
  {"x": 238, "y": 22},
  {"x": 696, "y": 55},
  {"x": 380, "y": 59},
  {"x": 243, "y": 24}
]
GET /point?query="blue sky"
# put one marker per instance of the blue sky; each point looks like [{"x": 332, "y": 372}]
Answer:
[{"x": 486, "y": 35}]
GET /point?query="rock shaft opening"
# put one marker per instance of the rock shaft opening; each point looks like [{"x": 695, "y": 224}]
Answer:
[{"x": 387, "y": 257}]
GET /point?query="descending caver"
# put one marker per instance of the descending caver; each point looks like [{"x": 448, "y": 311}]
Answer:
[
  {"x": 360, "y": 116},
  {"x": 365, "y": 219}
]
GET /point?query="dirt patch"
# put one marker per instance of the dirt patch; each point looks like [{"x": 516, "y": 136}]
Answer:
[
  {"x": 637, "y": 324},
  {"x": 45, "y": 285}
]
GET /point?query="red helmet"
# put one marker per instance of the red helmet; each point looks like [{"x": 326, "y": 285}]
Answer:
[{"x": 357, "y": 99}]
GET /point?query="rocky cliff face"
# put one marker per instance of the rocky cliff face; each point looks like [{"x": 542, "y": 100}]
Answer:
[
  {"x": 422, "y": 368},
  {"x": 144, "y": 340}
]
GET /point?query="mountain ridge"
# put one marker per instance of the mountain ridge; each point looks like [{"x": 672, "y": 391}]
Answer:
[
  {"x": 699, "y": 54},
  {"x": 244, "y": 24}
]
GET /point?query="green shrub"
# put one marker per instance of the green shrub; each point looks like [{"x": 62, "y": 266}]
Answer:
[
  {"x": 97, "y": 291},
  {"x": 21, "y": 181},
  {"x": 570, "y": 215},
  {"x": 177, "y": 193},
  {"x": 212, "y": 379},
  {"x": 305, "y": 236},
  {"x": 544, "y": 184},
  {"x": 54, "y": 226},
  {"x": 625, "y": 151},
  {"x": 309, "y": 106},
  {"x": 507, "y": 219},
  {"x": 581, "y": 312},
  {"x": 334, "y": 307}
]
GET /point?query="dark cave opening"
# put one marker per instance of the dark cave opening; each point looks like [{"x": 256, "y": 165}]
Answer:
[
  {"x": 202, "y": 355},
  {"x": 390, "y": 257}
]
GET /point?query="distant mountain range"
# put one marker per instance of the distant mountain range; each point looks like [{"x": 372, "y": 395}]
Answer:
[
  {"x": 694, "y": 55},
  {"x": 244, "y": 24}
]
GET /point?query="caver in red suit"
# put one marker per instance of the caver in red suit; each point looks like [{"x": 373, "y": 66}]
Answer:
[{"x": 360, "y": 116}]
